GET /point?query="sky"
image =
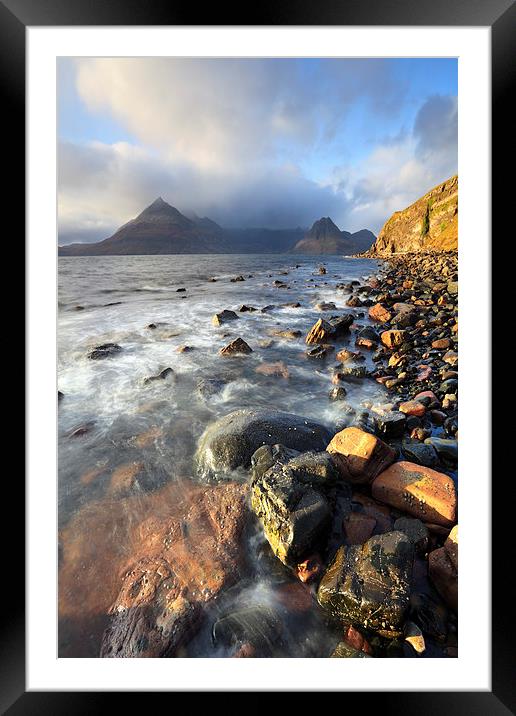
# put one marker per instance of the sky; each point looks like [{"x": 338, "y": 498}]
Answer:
[{"x": 272, "y": 143}]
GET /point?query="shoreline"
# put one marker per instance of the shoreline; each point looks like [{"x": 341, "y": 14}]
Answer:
[{"x": 322, "y": 498}]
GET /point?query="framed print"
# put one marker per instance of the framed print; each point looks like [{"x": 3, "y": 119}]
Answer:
[{"x": 247, "y": 264}]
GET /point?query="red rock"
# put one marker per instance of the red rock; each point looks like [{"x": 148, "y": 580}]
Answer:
[
  {"x": 381, "y": 513},
  {"x": 413, "y": 407},
  {"x": 365, "y": 342},
  {"x": 441, "y": 343},
  {"x": 345, "y": 355},
  {"x": 443, "y": 569},
  {"x": 427, "y": 394},
  {"x": 393, "y": 339},
  {"x": 380, "y": 313},
  {"x": 278, "y": 369},
  {"x": 358, "y": 455},
  {"x": 418, "y": 491},
  {"x": 358, "y": 527},
  {"x": 296, "y": 597},
  {"x": 425, "y": 372},
  {"x": 355, "y": 639},
  {"x": 123, "y": 477},
  {"x": 309, "y": 569}
]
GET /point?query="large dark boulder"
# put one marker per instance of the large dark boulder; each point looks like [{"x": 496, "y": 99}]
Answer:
[
  {"x": 368, "y": 585},
  {"x": 230, "y": 442}
]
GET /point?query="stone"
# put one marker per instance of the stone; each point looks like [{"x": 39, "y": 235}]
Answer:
[
  {"x": 320, "y": 332},
  {"x": 223, "y": 317},
  {"x": 441, "y": 344},
  {"x": 296, "y": 518},
  {"x": 448, "y": 450},
  {"x": 443, "y": 569},
  {"x": 320, "y": 352},
  {"x": 105, "y": 350},
  {"x": 289, "y": 334},
  {"x": 415, "y": 530},
  {"x": 277, "y": 370},
  {"x": 341, "y": 324},
  {"x": 247, "y": 309},
  {"x": 343, "y": 650},
  {"x": 268, "y": 455},
  {"x": 184, "y": 349},
  {"x": 236, "y": 347},
  {"x": 420, "y": 454},
  {"x": 414, "y": 636},
  {"x": 390, "y": 424},
  {"x": 345, "y": 355},
  {"x": 165, "y": 373},
  {"x": 424, "y": 373},
  {"x": 413, "y": 407},
  {"x": 337, "y": 393},
  {"x": 371, "y": 508},
  {"x": 175, "y": 550},
  {"x": 352, "y": 372},
  {"x": 329, "y": 306},
  {"x": 367, "y": 338},
  {"x": 418, "y": 491},
  {"x": 355, "y": 639},
  {"x": 393, "y": 339},
  {"x": 380, "y": 313},
  {"x": 230, "y": 442},
  {"x": 309, "y": 570},
  {"x": 359, "y": 456},
  {"x": 209, "y": 387},
  {"x": 369, "y": 585},
  {"x": 358, "y": 527}
]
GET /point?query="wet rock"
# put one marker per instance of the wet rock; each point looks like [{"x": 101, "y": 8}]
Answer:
[
  {"x": 321, "y": 270},
  {"x": 309, "y": 570},
  {"x": 371, "y": 508},
  {"x": 268, "y": 455},
  {"x": 237, "y": 278},
  {"x": 418, "y": 491},
  {"x": 106, "y": 350},
  {"x": 230, "y": 442},
  {"x": 352, "y": 372},
  {"x": 343, "y": 650},
  {"x": 420, "y": 454},
  {"x": 414, "y": 636},
  {"x": 320, "y": 352},
  {"x": 184, "y": 349},
  {"x": 320, "y": 332},
  {"x": 180, "y": 290},
  {"x": 295, "y": 517},
  {"x": 448, "y": 450},
  {"x": 359, "y": 456},
  {"x": 393, "y": 339},
  {"x": 236, "y": 347},
  {"x": 60, "y": 395},
  {"x": 413, "y": 407},
  {"x": 449, "y": 386},
  {"x": 415, "y": 530},
  {"x": 441, "y": 344},
  {"x": 443, "y": 568},
  {"x": 268, "y": 308},
  {"x": 208, "y": 387},
  {"x": 287, "y": 334},
  {"x": 367, "y": 338},
  {"x": 380, "y": 313},
  {"x": 247, "y": 309},
  {"x": 390, "y": 424},
  {"x": 451, "y": 358},
  {"x": 337, "y": 393},
  {"x": 329, "y": 306},
  {"x": 341, "y": 324},
  {"x": 165, "y": 373},
  {"x": 345, "y": 355},
  {"x": 278, "y": 369},
  {"x": 369, "y": 585},
  {"x": 429, "y": 614},
  {"x": 355, "y": 639},
  {"x": 223, "y": 317}
]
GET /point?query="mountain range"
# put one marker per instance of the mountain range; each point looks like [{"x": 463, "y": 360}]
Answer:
[{"x": 162, "y": 229}]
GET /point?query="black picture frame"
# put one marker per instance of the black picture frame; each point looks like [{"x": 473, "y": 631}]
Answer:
[{"x": 500, "y": 16}]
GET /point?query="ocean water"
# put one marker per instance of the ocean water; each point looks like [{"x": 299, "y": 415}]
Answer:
[{"x": 125, "y": 421}]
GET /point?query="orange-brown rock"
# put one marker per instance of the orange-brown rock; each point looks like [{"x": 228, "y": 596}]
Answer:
[
  {"x": 355, "y": 639},
  {"x": 380, "y": 313},
  {"x": 418, "y": 491},
  {"x": 413, "y": 407},
  {"x": 123, "y": 477},
  {"x": 381, "y": 513},
  {"x": 320, "y": 332},
  {"x": 443, "y": 564},
  {"x": 425, "y": 371},
  {"x": 236, "y": 347},
  {"x": 358, "y": 455},
  {"x": 393, "y": 339},
  {"x": 278, "y": 369},
  {"x": 345, "y": 355},
  {"x": 441, "y": 344},
  {"x": 151, "y": 561},
  {"x": 309, "y": 569}
]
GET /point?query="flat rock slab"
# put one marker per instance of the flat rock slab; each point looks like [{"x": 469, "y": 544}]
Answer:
[
  {"x": 369, "y": 585},
  {"x": 229, "y": 443},
  {"x": 419, "y": 491}
]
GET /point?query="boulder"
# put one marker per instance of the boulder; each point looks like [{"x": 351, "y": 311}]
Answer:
[
  {"x": 359, "y": 456},
  {"x": 418, "y": 491},
  {"x": 369, "y": 585},
  {"x": 223, "y": 317},
  {"x": 390, "y": 424},
  {"x": 106, "y": 350},
  {"x": 380, "y": 313},
  {"x": 230, "y": 442},
  {"x": 393, "y": 339},
  {"x": 319, "y": 332},
  {"x": 236, "y": 347}
]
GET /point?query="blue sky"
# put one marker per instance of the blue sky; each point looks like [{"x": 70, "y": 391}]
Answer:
[{"x": 252, "y": 142}]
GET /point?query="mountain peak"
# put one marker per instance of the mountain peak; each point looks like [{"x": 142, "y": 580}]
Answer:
[{"x": 323, "y": 228}]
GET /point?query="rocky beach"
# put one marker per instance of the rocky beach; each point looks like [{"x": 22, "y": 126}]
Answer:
[{"x": 265, "y": 466}]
